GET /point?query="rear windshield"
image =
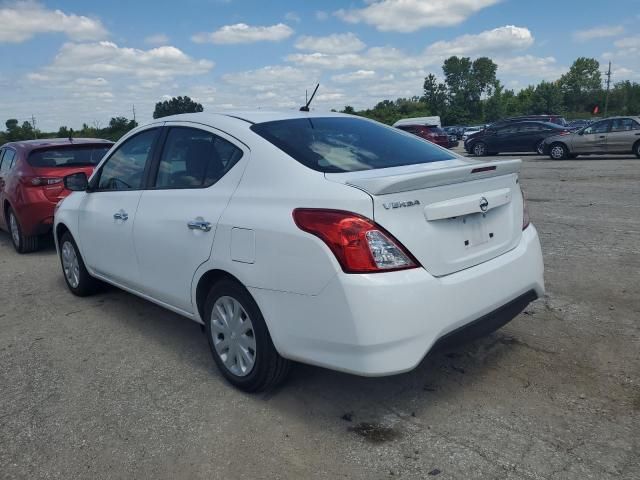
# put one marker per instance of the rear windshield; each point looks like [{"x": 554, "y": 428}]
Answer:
[
  {"x": 348, "y": 144},
  {"x": 68, "y": 156}
]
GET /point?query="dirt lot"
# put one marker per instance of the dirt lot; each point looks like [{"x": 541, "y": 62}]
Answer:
[{"x": 114, "y": 387}]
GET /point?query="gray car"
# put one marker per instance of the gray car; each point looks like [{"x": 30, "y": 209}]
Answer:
[{"x": 612, "y": 135}]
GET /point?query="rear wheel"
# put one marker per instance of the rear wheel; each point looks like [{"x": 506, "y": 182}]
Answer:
[
  {"x": 22, "y": 243},
  {"x": 558, "y": 151},
  {"x": 480, "y": 149},
  {"x": 239, "y": 339},
  {"x": 78, "y": 279}
]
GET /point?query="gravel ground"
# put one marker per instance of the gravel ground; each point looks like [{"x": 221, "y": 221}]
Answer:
[{"x": 115, "y": 387}]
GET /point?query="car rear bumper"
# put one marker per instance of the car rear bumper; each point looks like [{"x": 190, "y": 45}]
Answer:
[
  {"x": 35, "y": 213},
  {"x": 383, "y": 324}
]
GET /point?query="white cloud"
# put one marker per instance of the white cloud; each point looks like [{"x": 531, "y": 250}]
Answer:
[
  {"x": 336, "y": 43},
  {"x": 243, "y": 33},
  {"x": 157, "y": 40},
  {"x": 377, "y": 57},
  {"x": 628, "y": 42},
  {"x": 412, "y": 15},
  {"x": 106, "y": 59},
  {"x": 529, "y": 67},
  {"x": 499, "y": 39},
  {"x": 292, "y": 17},
  {"x": 24, "y": 19},
  {"x": 598, "y": 32},
  {"x": 357, "y": 76}
]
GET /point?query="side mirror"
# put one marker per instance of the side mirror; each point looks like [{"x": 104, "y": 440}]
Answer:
[{"x": 76, "y": 182}]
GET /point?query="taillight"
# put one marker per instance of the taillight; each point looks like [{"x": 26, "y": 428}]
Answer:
[
  {"x": 565, "y": 132},
  {"x": 359, "y": 244},
  {"x": 526, "y": 221},
  {"x": 41, "y": 181}
]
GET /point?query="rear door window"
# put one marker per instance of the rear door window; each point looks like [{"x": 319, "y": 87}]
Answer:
[
  {"x": 193, "y": 158},
  {"x": 622, "y": 125},
  {"x": 8, "y": 159},
  {"x": 339, "y": 144},
  {"x": 81, "y": 155}
]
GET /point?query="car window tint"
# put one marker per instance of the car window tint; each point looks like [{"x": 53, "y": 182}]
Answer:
[
  {"x": 341, "y": 144},
  {"x": 529, "y": 128},
  {"x": 68, "y": 156},
  {"x": 508, "y": 130},
  {"x": 636, "y": 125},
  {"x": 193, "y": 158},
  {"x": 124, "y": 170},
  {"x": 600, "y": 127},
  {"x": 622, "y": 124},
  {"x": 7, "y": 160}
]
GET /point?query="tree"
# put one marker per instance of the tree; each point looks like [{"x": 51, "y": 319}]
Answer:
[
  {"x": 175, "y": 106},
  {"x": 435, "y": 95},
  {"x": 349, "y": 109},
  {"x": 581, "y": 84},
  {"x": 547, "y": 98}
]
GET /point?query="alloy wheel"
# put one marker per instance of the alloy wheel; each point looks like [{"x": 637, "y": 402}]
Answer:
[
  {"x": 15, "y": 230},
  {"x": 540, "y": 148},
  {"x": 479, "y": 149},
  {"x": 70, "y": 264},
  {"x": 233, "y": 336},
  {"x": 557, "y": 152}
]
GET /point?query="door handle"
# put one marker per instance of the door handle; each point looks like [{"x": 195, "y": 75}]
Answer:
[
  {"x": 199, "y": 225},
  {"x": 121, "y": 215},
  {"x": 601, "y": 136}
]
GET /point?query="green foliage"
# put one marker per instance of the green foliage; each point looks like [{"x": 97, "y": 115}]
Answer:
[
  {"x": 471, "y": 94},
  {"x": 175, "y": 106}
]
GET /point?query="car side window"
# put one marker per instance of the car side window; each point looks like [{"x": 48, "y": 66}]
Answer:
[
  {"x": 193, "y": 158},
  {"x": 529, "y": 128},
  {"x": 622, "y": 125},
  {"x": 507, "y": 130},
  {"x": 600, "y": 127},
  {"x": 7, "y": 161},
  {"x": 124, "y": 169}
]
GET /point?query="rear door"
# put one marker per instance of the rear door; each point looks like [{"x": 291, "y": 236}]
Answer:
[
  {"x": 505, "y": 139},
  {"x": 623, "y": 134},
  {"x": 191, "y": 183},
  {"x": 108, "y": 211},
  {"x": 593, "y": 139}
]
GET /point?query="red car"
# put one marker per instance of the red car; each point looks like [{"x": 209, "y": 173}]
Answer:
[
  {"x": 434, "y": 133},
  {"x": 31, "y": 184}
]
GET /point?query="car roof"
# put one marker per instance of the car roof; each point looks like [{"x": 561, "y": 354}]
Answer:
[
  {"x": 28, "y": 145},
  {"x": 255, "y": 116}
]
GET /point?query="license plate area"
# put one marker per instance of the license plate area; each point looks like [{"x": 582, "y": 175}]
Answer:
[{"x": 476, "y": 230}]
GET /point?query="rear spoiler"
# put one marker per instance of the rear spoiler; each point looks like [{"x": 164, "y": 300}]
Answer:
[{"x": 384, "y": 181}]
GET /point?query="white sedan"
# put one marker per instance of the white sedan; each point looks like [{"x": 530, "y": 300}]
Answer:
[{"x": 323, "y": 238}]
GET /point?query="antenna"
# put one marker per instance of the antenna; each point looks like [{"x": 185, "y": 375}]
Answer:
[{"x": 306, "y": 107}]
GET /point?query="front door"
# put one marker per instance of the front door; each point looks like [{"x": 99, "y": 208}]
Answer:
[
  {"x": 192, "y": 182},
  {"x": 593, "y": 139},
  {"x": 109, "y": 210},
  {"x": 624, "y": 133}
]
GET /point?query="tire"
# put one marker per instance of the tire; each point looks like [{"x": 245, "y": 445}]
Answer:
[
  {"x": 479, "y": 149},
  {"x": 558, "y": 151},
  {"x": 539, "y": 148},
  {"x": 636, "y": 149},
  {"x": 232, "y": 343},
  {"x": 22, "y": 243},
  {"x": 76, "y": 276}
]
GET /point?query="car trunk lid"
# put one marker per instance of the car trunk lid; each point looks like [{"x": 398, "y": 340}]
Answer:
[{"x": 450, "y": 215}]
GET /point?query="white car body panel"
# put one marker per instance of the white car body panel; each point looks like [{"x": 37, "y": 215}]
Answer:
[{"x": 368, "y": 324}]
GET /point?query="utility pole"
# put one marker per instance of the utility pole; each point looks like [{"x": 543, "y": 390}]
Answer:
[
  {"x": 133, "y": 107},
  {"x": 606, "y": 98},
  {"x": 33, "y": 125}
]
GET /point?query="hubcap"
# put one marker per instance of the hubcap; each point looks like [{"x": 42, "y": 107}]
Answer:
[
  {"x": 479, "y": 149},
  {"x": 70, "y": 264},
  {"x": 15, "y": 231},
  {"x": 557, "y": 152},
  {"x": 540, "y": 148},
  {"x": 233, "y": 336}
]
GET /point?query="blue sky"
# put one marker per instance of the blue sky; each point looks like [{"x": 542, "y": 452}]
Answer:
[{"x": 73, "y": 62}]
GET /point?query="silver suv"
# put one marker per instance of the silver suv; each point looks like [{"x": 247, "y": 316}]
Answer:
[{"x": 612, "y": 135}]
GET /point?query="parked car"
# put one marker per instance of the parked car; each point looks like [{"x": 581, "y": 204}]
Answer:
[
  {"x": 513, "y": 137},
  {"x": 456, "y": 131},
  {"x": 578, "y": 124},
  {"x": 556, "y": 119},
  {"x": 31, "y": 184},
  {"x": 453, "y": 141},
  {"x": 609, "y": 136},
  {"x": 469, "y": 131},
  {"x": 327, "y": 239},
  {"x": 432, "y": 133}
]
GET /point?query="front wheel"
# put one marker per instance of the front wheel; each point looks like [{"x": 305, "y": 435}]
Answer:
[
  {"x": 21, "y": 242},
  {"x": 480, "y": 149},
  {"x": 239, "y": 339},
  {"x": 558, "y": 151},
  {"x": 540, "y": 147},
  {"x": 78, "y": 279}
]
